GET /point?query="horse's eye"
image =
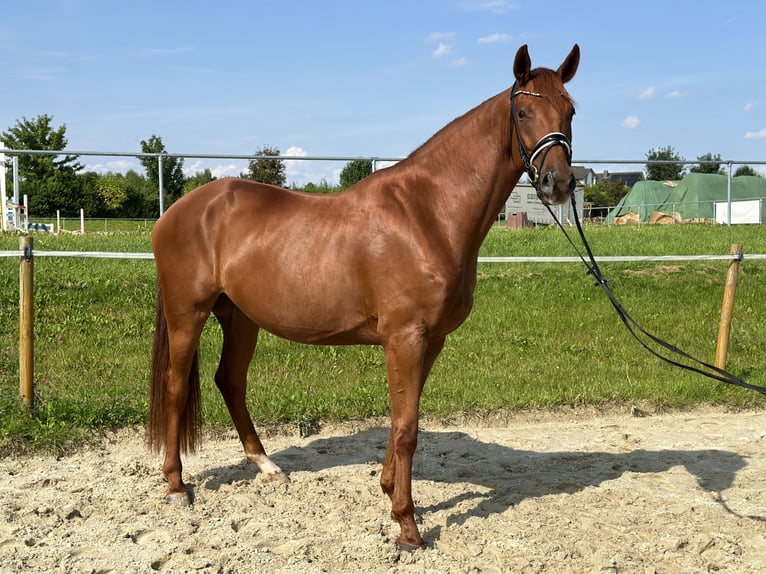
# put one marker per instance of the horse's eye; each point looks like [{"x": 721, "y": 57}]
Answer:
[{"x": 521, "y": 114}]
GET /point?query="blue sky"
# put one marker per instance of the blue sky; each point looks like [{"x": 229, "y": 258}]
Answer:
[{"x": 354, "y": 78}]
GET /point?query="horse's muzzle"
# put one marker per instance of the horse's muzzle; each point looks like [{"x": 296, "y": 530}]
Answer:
[{"x": 555, "y": 188}]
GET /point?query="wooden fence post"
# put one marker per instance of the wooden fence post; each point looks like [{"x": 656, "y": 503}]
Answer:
[
  {"x": 26, "y": 321},
  {"x": 724, "y": 327}
]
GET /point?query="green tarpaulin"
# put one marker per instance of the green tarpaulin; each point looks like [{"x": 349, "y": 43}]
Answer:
[{"x": 694, "y": 197}]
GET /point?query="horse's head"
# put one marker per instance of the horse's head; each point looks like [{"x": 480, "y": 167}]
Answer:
[{"x": 541, "y": 114}]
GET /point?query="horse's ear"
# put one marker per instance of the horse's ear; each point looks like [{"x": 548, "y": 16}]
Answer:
[
  {"x": 568, "y": 68},
  {"x": 522, "y": 66}
]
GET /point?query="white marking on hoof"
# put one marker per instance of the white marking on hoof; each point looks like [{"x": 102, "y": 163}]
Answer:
[{"x": 269, "y": 470}]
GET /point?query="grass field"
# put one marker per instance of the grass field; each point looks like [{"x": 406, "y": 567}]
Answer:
[{"x": 540, "y": 336}]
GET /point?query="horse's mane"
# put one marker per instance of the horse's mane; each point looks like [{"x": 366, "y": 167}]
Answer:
[
  {"x": 547, "y": 82},
  {"x": 454, "y": 124}
]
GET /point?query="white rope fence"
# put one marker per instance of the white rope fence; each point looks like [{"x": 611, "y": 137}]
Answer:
[
  {"x": 519, "y": 259},
  {"x": 85, "y": 254}
]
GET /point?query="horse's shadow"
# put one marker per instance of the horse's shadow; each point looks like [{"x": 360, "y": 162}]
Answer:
[{"x": 508, "y": 476}]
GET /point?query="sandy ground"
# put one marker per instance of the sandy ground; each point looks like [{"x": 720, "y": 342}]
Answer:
[{"x": 562, "y": 492}]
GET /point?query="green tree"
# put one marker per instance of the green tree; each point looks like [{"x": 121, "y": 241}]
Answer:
[
  {"x": 354, "y": 172},
  {"x": 106, "y": 195},
  {"x": 91, "y": 201},
  {"x": 172, "y": 168},
  {"x": 112, "y": 191},
  {"x": 266, "y": 170},
  {"x": 664, "y": 171},
  {"x": 142, "y": 199},
  {"x": 746, "y": 170},
  {"x": 39, "y": 134},
  {"x": 605, "y": 194},
  {"x": 116, "y": 195},
  {"x": 57, "y": 192},
  {"x": 50, "y": 181},
  {"x": 714, "y": 167},
  {"x": 322, "y": 187},
  {"x": 200, "y": 178}
]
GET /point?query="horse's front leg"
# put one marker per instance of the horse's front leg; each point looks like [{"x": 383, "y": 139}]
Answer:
[{"x": 408, "y": 361}]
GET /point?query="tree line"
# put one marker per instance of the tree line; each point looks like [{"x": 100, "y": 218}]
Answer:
[
  {"x": 61, "y": 183},
  {"x": 663, "y": 164}
]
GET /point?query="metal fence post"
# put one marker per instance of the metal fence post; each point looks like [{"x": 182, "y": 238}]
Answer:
[
  {"x": 162, "y": 198},
  {"x": 728, "y": 195}
]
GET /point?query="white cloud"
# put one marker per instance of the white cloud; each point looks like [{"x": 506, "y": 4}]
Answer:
[
  {"x": 675, "y": 94},
  {"x": 114, "y": 166},
  {"x": 217, "y": 171},
  {"x": 440, "y": 37},
  {"x": 294, "y": 167},
  {"x": 648, "y": 93},
  {"x": 631, "y": 122},
  {"x": 296, "y": 151},
  {"x": 384, "y": 164},
  {"x": 759, "y": 135},
  {"x": 458, "y": 63},
  {"x": 750, "y": 106},
  {"x": 441, "y": 50},
  {"x": 196, "y": 167},
  {"x": 495, "y": 38},
  {"x": 301, "y": 172},
  {"x": 228, "y": 170}
]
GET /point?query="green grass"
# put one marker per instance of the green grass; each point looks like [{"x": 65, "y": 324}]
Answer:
[{"x": 540, "y": 336}]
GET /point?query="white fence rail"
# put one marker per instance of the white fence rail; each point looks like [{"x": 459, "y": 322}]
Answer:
[{"x": 499, "y": 259}]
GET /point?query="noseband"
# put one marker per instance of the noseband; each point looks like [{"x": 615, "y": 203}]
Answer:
[{"x": 543, "y": 145}]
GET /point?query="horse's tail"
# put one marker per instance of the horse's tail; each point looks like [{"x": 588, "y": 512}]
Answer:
[{"x": 191, "y": 416}]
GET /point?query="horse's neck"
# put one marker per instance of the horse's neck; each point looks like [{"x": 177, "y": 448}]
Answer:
[{"x": 473, "y": 173}]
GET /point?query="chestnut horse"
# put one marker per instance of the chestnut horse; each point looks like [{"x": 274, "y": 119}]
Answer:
[{"x": 391, "y": 261}]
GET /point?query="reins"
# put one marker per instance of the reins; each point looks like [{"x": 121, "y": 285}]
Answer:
[
  {"x": 545, "y": 144},
  {"x": 635, "y": 329}
]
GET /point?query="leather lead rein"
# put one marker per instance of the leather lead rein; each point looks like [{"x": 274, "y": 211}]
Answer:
[{"x": 703, "y": 368}]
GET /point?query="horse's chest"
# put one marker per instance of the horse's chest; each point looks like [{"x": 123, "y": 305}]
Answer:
[{"x": 454, "y": 306}]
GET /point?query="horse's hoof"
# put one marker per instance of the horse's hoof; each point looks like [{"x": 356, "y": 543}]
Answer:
[
  {"x": 279, "y": 477},
  {"x": 406, "y": 547},
  {"x": 178, "y": 499}
]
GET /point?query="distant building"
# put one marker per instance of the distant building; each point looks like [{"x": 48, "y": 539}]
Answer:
[
  {"x": 585, "y": 176},
  {"x": 524, "y": 209},
  {"x": 629, "y": 178}
]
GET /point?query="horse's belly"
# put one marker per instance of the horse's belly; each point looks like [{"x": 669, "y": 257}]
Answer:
[
  {"x": 321, "y": 336},
  {"x": 307, "y": 313}
]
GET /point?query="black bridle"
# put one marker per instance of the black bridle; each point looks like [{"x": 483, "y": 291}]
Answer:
[{"x": 544, "y": 144}]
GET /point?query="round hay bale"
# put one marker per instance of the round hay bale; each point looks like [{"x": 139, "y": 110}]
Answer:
[{"x": 630, "y": 218}]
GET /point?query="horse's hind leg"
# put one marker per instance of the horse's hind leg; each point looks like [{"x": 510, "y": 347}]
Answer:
[
  {"x": 181, "y": 422},
  {"x": 240, "y": 335}
]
